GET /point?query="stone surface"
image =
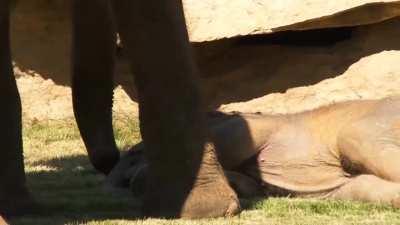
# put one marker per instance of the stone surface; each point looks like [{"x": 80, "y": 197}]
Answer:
[
  {"x": 41, "y": 28},
  {"x": 373, "y": 77},
  {"x": 363, "y": 67},
  {"x": 215, "y": 19},
  {"x": 248, "y": 71},
  {"x": 361, "y": 63},
  {"x": 366, "y": 65}
]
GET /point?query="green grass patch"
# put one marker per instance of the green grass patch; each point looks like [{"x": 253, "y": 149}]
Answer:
[{"x": 69, "y": 189}]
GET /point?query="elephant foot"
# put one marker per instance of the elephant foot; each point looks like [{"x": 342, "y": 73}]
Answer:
[
  {"x": 207, "y": 195},
  {"x": 18, "y": 204},
  {"x": 104, "y": 159},
  {"x": 214, "y": 199}
]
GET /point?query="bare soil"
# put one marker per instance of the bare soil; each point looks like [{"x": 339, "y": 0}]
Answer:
[{"x": 42, "y": 99}]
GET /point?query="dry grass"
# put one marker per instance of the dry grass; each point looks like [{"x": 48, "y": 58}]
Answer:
[{"x": 70, "y": 191}]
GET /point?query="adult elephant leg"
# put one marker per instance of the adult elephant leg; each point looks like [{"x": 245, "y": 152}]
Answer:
[
  {"x": 14, "y": 196},
  {"x": 185, "y": 178},
  {"x": 94, "y": 41}
]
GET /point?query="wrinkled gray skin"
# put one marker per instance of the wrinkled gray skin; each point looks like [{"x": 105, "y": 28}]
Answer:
[
  {"x": 185, "y": 178},
  {"x": 348, "y": 151}
]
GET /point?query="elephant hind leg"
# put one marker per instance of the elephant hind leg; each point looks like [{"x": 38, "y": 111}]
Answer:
[
  {"x": 14, "y": 196},
  {"x": 369, "y": 188},
  {"x": 372, "y": 146}
]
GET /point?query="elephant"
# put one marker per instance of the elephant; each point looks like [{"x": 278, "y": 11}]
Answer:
[
  {"x": 185, "y": 178},
  {"x": 345, "y": 151}
]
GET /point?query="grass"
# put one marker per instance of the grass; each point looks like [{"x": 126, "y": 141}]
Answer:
[{"x": 69, "y": 190}]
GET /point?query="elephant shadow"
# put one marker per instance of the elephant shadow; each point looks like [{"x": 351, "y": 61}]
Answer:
[{"x": 70, "y": 191}]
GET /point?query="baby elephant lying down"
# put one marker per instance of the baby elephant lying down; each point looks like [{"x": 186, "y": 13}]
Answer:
[{"x": 347, "y": 151}]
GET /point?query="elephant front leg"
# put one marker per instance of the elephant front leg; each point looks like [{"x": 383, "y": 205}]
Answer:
[
  {"x": 94, "y": 41},
  {"x": 185, "y": 178},
  {"x": 14, "y": 196}
]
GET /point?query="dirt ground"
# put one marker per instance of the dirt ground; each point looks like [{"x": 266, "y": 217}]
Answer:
[
  {"x": 42, "y": 99},
  {"x": 372, "y": 77}
]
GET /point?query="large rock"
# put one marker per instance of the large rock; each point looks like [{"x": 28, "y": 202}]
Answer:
[
  {"x": 366, "y": 65},
  {"x": 372, "y": 77},
  {"x": 216, "y": 19},
  {"x": 41, "y": 28},
  {"x": 246, "y": 71},
  {"x": 363, "y": 59}
]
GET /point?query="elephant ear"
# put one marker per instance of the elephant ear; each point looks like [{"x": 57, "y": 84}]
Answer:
[{"x": 118, "y": 180}]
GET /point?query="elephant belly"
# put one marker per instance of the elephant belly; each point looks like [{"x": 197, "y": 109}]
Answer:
[{"x": 296, "y": 171}]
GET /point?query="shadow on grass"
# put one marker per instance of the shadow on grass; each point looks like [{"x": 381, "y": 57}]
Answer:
[
  {"x": 69, "y": 191},
  {"x": 67, "y": 187}
]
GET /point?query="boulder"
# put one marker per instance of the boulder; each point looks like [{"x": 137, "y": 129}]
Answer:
[
  {"x": 365, "y": 64},
  {"x": 258, "y": 76},
  {"x": 41, "y": 28},
  {"x": 373, "y": 77},
  {"x": 356, "y": 50},
  {"x": 216, "y": 19}
]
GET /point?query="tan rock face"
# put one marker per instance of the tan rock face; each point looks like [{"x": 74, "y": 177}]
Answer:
[
  {"x": 41, "y": 28},
  {"x": 40, "y": 34},
  {"x": 365, "y": 64},
  {"x": 373, "y": 77},
  {"x": 369, "y": 57},
  {"x": 216, "y": 19}
]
